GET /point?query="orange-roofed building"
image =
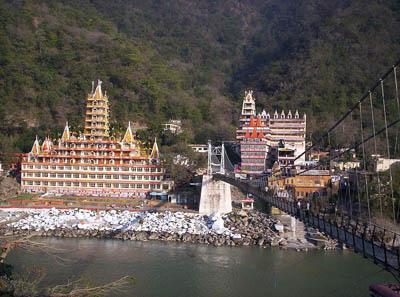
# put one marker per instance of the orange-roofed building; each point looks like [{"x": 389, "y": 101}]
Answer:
[{"x": 253, "y": 146}]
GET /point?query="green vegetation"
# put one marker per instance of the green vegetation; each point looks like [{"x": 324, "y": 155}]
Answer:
[{"x": 190, "y": 60}]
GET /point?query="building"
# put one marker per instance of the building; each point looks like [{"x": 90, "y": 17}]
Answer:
[
  {"x": 308, "y": 184},
  {"x": 93, "y": 162},
  {"x": 199, "y": 148},
  {"x": 173, "y": 126},
  {"x": 344, "y": 165},
  {"x": 383, "y": 164},
  {"x": 1, "y": 169},
  {"x": 282, "y": 135},
  {"x": 253, "y": 147}
]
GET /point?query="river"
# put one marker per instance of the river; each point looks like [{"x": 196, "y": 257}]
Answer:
[{"x": 178, "y": 269}]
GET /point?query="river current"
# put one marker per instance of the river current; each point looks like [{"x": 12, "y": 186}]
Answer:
[{"x": 164, "y": 269}]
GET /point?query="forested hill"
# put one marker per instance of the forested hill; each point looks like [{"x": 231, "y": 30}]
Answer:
[{"x": 186, "y": 59}]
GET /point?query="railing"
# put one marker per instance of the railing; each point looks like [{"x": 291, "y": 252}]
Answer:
[{"x": 371, "y": 241}]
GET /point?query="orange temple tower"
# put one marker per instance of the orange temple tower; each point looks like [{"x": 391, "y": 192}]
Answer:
[{"x": 93, "y": 163}]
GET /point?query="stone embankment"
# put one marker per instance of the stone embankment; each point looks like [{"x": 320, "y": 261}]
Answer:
[{"x": 236, "y": 229}]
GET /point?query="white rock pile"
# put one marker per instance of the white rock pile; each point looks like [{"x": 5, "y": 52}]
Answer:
[{"x": 115, "y": 221}]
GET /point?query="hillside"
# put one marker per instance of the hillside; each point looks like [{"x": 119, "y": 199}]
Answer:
[{"x": 186, "y": 59}]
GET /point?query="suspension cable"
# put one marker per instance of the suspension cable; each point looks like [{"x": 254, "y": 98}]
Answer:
[
  {"x": 388, "y": 149},
  {"x": 358, "y": 193},
  {"x": 376, "y": 152},
  {"x": 320, "y": 139},
  {"x": 365, "y": 163},
  {"x": 398, "y": 103}
]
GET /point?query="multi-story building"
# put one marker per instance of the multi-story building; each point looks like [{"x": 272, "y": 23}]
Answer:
[
  {"x": 95, "y": 162},
  {"x": 253, "y": 147},
  {"x": 307, "y": 184},
  {"x": 173, "y": 126},
  {"x": 282, "y": 134}
]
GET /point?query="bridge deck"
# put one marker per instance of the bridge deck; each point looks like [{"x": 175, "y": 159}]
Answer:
[{"x": 371, "y": 241}]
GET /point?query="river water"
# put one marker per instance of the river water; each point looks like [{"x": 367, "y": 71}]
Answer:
[{"x": 178, "y": 269}]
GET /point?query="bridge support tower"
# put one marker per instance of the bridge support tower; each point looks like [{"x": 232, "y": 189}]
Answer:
[{"x": 215, "y": 195}]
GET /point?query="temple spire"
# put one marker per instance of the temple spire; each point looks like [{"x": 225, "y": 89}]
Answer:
[
  {"x": 97, "y": 115},
  {"x": 47, "y": 145},
  {"x": 66, "y": 134},
  {"x": 155, "y": 154},
  {"x": 128, "y": 137},
  {"x": 98, "y": 93},
  {"x": 36, "y": 147}
]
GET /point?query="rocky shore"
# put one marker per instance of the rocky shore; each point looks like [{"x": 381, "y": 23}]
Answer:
[{"x": 239, "y": 228}]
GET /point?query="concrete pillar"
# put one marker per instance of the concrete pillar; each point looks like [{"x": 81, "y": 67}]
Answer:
[{"x": 215, "y": 197}]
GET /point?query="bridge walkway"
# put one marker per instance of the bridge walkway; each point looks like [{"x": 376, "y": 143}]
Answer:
[{"x": 371, "y": 241}]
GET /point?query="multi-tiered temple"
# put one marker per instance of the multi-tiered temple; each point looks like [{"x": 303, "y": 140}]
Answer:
[
  {"x": 93, "y": 163},
  {"x": 264, "y": 137}
]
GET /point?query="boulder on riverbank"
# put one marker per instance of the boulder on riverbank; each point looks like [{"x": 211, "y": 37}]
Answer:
[{"x": 238, "y": 228}]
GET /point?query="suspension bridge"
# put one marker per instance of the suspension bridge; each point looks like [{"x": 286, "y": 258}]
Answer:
[{"x": 367, "y": 209}]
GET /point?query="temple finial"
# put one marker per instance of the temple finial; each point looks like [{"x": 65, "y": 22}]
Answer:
[
  {"x": 98, "y": 92},
  {"x": 155, "y": 154},
  {"x": 66, "y": 134},
  {"x": 128, "y": 137},
  {"x": 36, "y": 147}
]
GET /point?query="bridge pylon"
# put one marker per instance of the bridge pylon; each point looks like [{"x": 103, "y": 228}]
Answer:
[{"x": 215, "y": 195}]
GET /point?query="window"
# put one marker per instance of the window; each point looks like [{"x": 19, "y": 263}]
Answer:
[
  {"x": 92, "y": 185},
  {"x": 75, "y": 175},
  {"x": 75, "y": 184},
  {"x": 115, "y": 176},
  {"x": 84, "y": 175},
  {"x": 92, "y": 176}
]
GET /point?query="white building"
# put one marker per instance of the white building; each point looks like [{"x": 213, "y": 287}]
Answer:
[
  {"x": 383, "y": 164},
  {"x": 199, "y": 148},
  {"x": 173, "y": 126}
]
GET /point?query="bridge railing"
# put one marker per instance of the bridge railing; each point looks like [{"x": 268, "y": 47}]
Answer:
[{"x": 371, "y": 241}]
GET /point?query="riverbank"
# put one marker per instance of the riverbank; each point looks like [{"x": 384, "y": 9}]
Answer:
[{"x": 239, "y": 228}]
